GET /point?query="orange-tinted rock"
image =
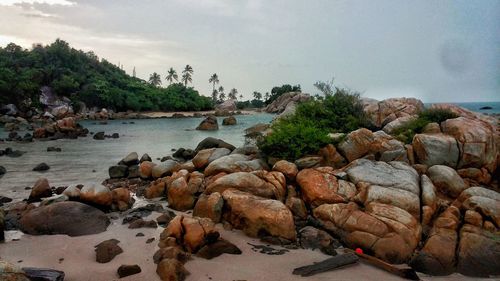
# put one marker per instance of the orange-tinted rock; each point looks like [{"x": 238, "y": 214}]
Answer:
[
  {"x": 121, "y": 198},
  {"x": 356, "y": 144},
  {"x": 40, "y": 189},
  {"x": 171, "y": 270},
  {"x": 96, "y": 194},
  {"x": 258, "y": 216},
  {"x": 180, "y": 194},
  {"x": 319, "y": 186},
  {"x": 287, "y": 168},
  {"x": 235, "y": 163},
  {"x": 478, "y": 252},
  {"x": 436, "y": 149},
  {"x": 146, "y": 169},
  {"x": 383, "y": 112},
  {"x": 156, "y": 188},
  {"x": 209, "y": 206}
]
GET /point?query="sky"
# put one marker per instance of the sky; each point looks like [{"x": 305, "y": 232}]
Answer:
[{"x": 437, "y": 51}]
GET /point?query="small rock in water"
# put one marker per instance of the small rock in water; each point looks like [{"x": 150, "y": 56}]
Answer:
[
  {"x": 139, "y": 223},
  {"x": 115, "y": 135},
  {"x": 41, "y": 167},
  {"x": 140, "y": 234},
  {"x": 150, "y": 240},
  {"x": 52, "y": 148},
  {"x": 145, "y": 157},
  {"x": 127, "y": 270},
  {"x": 3, "y": 171},
  {"x": 99, "y": 136},
  {"x": 107, "y": 250}
]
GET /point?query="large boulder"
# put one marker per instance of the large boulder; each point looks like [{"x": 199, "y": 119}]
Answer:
[
  {"x": 446, "y": 180},
  {"x": 394, "y": 183},
  {"x": 399, "y": 123},
  {"x": 356, "y": 144},
  {"x": 229, "y": 121},
  {"x": 164, "y": 169},
  {"x": 70, "y": 218},
  {"x": 478, "y": 252},
  {"x": 235, "y": 163},
  {"x": 388, "y": 110},
  {"x": 270, "y": 185},
  {"x": 190, "y": 233},
  {"x": 436, "y": 149},
  {"x": 286, "y": 100},
  {"x": 208, "y": 124},
  {"x": 207, "y": 156},
  {"x": 97, "y": 194},
  {"x": 476, "y": 142},
  {"x": 209, "y": 206},
  {"x": 40, "y": 189},
  {"x": 288, "y": 169},
  {"x": 211, "y": 142},
  {"x": 132, "y": 159},
  {"x": 228, "y": 105},
  {"x": 180, "y": 193},
  {"x": 389, "y": 232},
  {"x": 320, "y": 186},
  {"x": 258, "y": 216}
]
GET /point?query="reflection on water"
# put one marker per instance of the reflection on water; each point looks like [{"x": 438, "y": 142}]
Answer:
[{"x": 87, "y": 160}]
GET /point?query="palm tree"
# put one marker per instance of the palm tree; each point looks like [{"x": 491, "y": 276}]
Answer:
[
  {"x": 266, "y": 96},
  {"x": 171, "y": 76},
  {"x": 186, "y": 75},
  {"x": 214, "y": 79},
  {"x": 222, "y": 97},
  {"x": 155, "y": 79},
  {"x": 214, "y": 96},
  {"x": 241, "y": 97},
  {"x": 221, "y": 89},
  {"x": 257, "y": 95},
  {"x": 232, "y": 93}
]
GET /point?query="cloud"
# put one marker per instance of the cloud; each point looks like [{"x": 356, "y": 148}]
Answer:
[{"x": 48, "y": 2}]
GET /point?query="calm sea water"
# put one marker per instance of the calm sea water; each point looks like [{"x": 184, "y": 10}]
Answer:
[
  {"x": 78, "y": 159},
  {"x": 476, "y": 106}
]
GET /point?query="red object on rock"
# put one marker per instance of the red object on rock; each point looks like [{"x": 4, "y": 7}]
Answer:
[{"x": 359, "y": 251}]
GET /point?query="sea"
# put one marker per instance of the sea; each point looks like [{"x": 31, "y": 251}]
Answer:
[
  {"x": 482, "y": 107},
  {"x": 85, "y": 160}
]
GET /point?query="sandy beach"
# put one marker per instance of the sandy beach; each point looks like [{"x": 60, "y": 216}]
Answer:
[{"x": 79, "y": 258}]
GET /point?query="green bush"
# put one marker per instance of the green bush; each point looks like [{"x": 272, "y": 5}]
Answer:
[
  {"x": 293, "y": 140},
  {"x": 433, "y": 115}
]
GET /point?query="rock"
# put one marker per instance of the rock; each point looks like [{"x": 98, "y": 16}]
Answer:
[
  {"x": 308, "y": 162},
  {"x": 320, "y": 186},
  {"x": 52, "y": 148},
  {"x": 99, "y": 136},
  {"x": 171, "y": 252},
  {"x": 258, "y": 216},
  {"x": 436, "y": 149},
  {"x": 313, "y": 238},
  {"x": 394, "y": 183},
  {"x": 475, "y": 175},
  {"x": 164, "y": 219},
  {"x": 3, "y": 171},
  {"x": 218, "y": 248},
  {"x": 70, "y": 218},
  {"x": 432, "y": 128},
  {"x": 96, "y": 194},
  {"x": 446, "y": 180},
  {"x": 234, "y": 163},
  {"x": 251, "y": 183},
  {"x": 10, "y": 272},
  {"x": 476, "y": 142},
  {"x": 228, "y": 121},
  {"x": 118, "y": 171},
  {"x": 356, "y": 144},
  {"x": 41, "y": 167},
  {"x": 180, "y": 194},
  {"x": 2, "y": 225},
  {"x": 127, "y": 270},
  {"x": 429, "y": 199},
  {"x": 286, "y": 100},
  {"x": 229, "y": 105},
  {"x": 164, "y": 169},
  {"x": 40, "y": 189},
  {"x": 211, "y": 142},
  {"x": 107, "y": 250},
  {"x": 145, "y": 157},
  {"x": 289, "y": 169},
  {"x": 209, "y": 206},
  {"x": 206, "y": 156},
  {"x": 156, "y": 189},
  {"x": 331, "y": 157},
  {"x": 121, "y": 199},
  {"x": 191, "y": 233},
  {"x": 171, "y": 270},
  {"x": 208, "y": 124},
  {"x": 146, "y": 169},
  {"x": 40, "y": 133},
  {"x": 140, "y": 223},
  {"x": 72, "y": 191},
  {"x": 54, "y": 199},
  {"x": 399, "y": 123},
  {"x": 437, "y": 256},
  {"x": 295, "y": 204},
  {"x": 383, "y": 112},
  {"x": 133, "y": 172},
  {"x": 389, "y": 232},
  {"x": 9, "y": 109},
  {"x": 478, "y": 252},
  {"x": 65, "y": 125},
  {"x": 131, "y": 159}
]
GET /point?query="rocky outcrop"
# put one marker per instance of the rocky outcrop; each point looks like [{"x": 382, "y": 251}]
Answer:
[
  {"x": 70, "y": 218},
  {"x": 258, "y": 216},
  {"x": 208, "y": 124},
  {"x": 227, "y": 105},
  {"x": 229, "y": 121},
  {"x": 436, "y": 149},
  {"x": 287, "y": 100},
  {"x": 235, "y": 163},
  {"x": 446, "y": 180},
  {"x": 383, "y": 112},
  {"x": 207, "y": 156}
]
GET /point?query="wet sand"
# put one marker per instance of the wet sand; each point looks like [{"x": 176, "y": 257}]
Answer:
[{"x": 79, "y": 258}]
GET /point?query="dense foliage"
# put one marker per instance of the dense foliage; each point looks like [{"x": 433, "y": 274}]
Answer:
[
  {"x": 82, "y": 77},
  {"x": 416, "y": 126},
  {"x": 306, "y": 131},
  {"x": 250, "y": 104}
]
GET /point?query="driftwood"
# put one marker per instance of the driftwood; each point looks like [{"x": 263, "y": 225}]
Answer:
[
  {"x": 326, "y": 265},
  {"x": 406, "y": 273},
  {"x": 43, "y": 274}
]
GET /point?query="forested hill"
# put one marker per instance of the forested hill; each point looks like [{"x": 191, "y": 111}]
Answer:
[{"x": 82, "y": 77}]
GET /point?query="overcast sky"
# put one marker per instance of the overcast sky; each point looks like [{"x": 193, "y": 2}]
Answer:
[{"x": 438, "y": 51}]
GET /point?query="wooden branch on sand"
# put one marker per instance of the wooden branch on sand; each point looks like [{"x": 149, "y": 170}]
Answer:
[
  {"x": 326, "y": 265},
  {"x": 406, "y": 273}
]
